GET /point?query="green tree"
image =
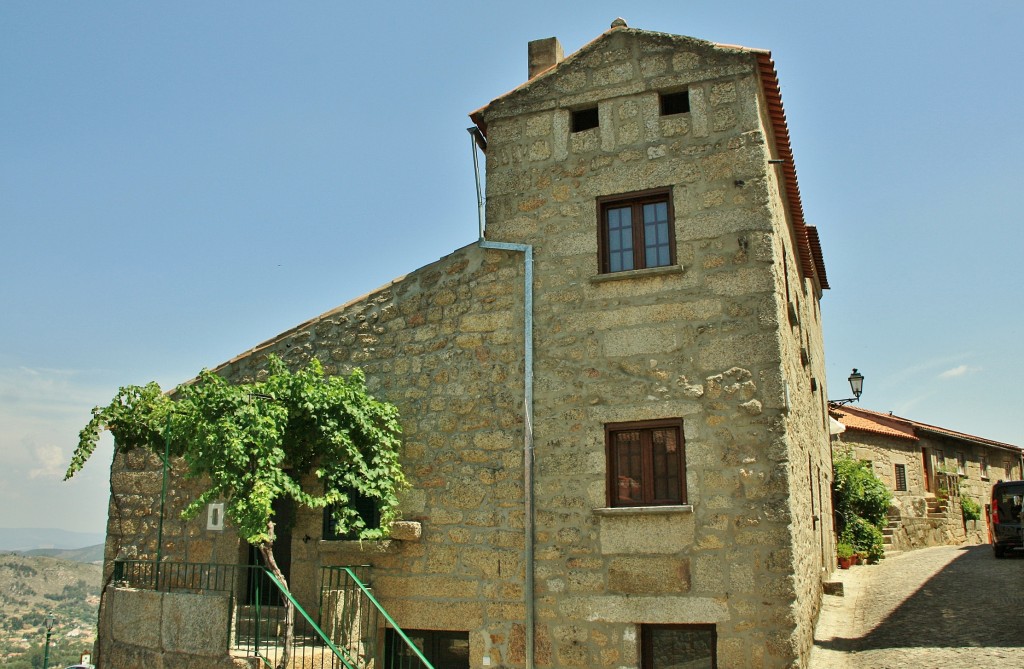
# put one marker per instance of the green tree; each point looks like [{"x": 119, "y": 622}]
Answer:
[
  {"x": 862, "y": 504},
  {"x": 254, "y": 443}
]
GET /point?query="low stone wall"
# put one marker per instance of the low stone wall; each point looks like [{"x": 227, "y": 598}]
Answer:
[
  {"x": 924, "y": 532},
  {"x": 155, "y": 630}
]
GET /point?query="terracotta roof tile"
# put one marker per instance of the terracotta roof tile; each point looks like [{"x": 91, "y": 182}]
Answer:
[
  {"x": 865, "y": 420},
  {"x": 862, "y": 420}
]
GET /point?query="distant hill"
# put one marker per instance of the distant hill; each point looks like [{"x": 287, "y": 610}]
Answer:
[
  {"x": 31, "y": 587},
  {"x": 88, "y": 555},
  {"x": 31, "y": 538}
]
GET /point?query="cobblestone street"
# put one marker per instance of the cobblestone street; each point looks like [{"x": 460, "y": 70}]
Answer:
[{"x": 946, "y": 606}]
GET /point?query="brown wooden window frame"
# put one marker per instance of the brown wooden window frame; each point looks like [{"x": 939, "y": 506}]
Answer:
[
  {"x": 648, "y": 464},
  {"x": 900, "y": 474},
  {"x": 647, "y": 641},
  {"x": 635, "y": 201}
]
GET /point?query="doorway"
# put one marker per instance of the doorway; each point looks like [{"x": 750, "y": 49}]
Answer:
[{"x": 258, "y": 587}]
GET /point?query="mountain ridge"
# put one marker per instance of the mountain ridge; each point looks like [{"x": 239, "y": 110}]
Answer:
[{"x": 33, "y": 538}]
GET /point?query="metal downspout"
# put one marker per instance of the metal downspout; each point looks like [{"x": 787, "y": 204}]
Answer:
[{"x": 528, "y": 493}]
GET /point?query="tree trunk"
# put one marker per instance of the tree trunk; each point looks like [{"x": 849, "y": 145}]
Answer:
[{"x": 267, "y": 551}]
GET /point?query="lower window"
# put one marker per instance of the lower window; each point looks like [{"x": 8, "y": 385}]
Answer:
[
  {"x": 673, "y": 646},
  {"x": 367, "y": 509},
  {"x": 646, "y": 463},
  {"x": 443, "y": 649}
]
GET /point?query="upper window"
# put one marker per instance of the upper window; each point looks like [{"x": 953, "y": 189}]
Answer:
[
  {"x": 983, "y": 466},
  {"x": 646, "y": 463},
  {"x": 961, "y": 464},
  {"x": 584, "y": 119},
  {"x": 636, "y": 231},
  {"x": 671, "y": 646},
  {"x": 675, "y": 103}
]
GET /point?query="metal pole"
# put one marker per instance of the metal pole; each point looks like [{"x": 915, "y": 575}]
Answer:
[
  {"x": 163, "y": 502},
  {"x": 46, "y": 648}
]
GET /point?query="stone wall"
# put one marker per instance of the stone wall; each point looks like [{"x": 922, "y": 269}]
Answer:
[
  {"x": 152, "y": 630},
  {"x": 728, "y": 341},
  {"x": 710, "y": 341},
  {"x": 920, "y": 526}
]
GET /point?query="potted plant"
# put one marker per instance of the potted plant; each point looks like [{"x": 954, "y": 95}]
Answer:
[
  {"x": 844, "y": 552},
  {"x": 860, "y": 557}
]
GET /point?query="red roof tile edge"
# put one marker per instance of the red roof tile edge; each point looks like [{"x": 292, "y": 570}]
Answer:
[{"x": 881, "y": 418}]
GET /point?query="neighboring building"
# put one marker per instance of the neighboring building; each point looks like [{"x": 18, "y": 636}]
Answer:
[
  {"x": 662, "y": 372},
  {"x": 929, "y": 469}
]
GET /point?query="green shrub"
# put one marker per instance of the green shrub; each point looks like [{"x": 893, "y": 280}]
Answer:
[
  {"x": 862, "y": 504},
  {"x": 862, "y": 535},
  {"x": 859, "y": 492},
  {"x": 970, "y": 509},
  {"x": 844, "y": 550}
]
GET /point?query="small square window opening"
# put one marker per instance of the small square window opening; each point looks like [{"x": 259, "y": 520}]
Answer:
[
  {"x": 671, "y": 646},
  {"x": 675, "y": 103},
  {"x": 584, "y": 119}
]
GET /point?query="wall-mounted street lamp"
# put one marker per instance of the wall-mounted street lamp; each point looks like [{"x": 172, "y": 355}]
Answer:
[
  {"x": 856, "y": 380},
  {"x": 49, "y": 622}
]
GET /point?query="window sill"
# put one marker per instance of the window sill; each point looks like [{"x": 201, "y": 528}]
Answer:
[
  {"x": 636, "y": 273},
  {"x": 401, "y": 530},
  {"x": 644, "y": 510}
]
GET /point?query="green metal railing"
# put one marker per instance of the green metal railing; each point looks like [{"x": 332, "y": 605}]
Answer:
[
  {"x": 348, "y": 631},
  {"x": 356, "y": 620}
]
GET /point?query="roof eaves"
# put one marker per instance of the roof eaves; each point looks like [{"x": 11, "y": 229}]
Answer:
[
  {"x": 952, "y": 434},
  {"x": 812, "y": 266}
]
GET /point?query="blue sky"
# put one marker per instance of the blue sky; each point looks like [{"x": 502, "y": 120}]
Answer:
[{"x": 179, "y": 182}]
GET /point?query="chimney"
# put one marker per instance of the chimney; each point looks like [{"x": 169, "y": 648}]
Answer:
[{"x": 543, "y": 54}]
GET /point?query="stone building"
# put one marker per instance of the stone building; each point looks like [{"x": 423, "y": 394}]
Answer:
[
  {"x": 928, "y": 469},
  {"x": 613, "y": 403}
]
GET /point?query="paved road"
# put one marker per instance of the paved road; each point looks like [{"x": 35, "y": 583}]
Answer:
[{"x": 947, "y": 606}]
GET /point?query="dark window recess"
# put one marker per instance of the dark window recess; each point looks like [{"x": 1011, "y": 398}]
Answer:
[
  {"x": 675, "y": 103},
  {"x": 671, "y": 646},
  {"x": 646, "y": 463},
  {"x": 901, "y": 477},
  {"x": 367, "y": 509},
  {"x": 636, "y": 232},
  {"x": 584, "y": 119},
  {"x": 444, "y": 650}
]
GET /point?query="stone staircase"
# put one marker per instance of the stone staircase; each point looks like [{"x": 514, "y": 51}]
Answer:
[
  {"x": 889, "y": 535},
  {"x": 937, "y": 507}
]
